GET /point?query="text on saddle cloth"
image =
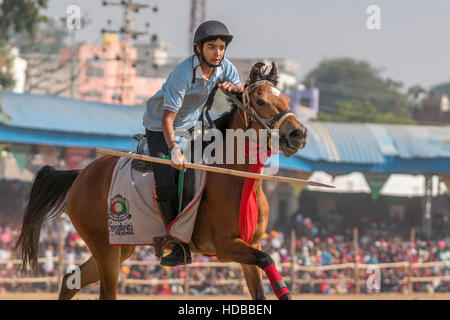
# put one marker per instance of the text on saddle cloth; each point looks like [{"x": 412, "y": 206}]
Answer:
[{"x": 133, "y": 217}]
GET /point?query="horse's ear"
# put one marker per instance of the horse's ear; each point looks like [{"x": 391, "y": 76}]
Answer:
[
  {"x": 274, "y": 71},
  {"x": 256, "y": 73}
]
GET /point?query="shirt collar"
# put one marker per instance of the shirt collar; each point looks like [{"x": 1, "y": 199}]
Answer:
[{"x": 199, "y": 73}]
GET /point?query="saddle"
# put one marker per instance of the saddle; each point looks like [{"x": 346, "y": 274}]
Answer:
[
  {"x": 142, "y": 148},
  {"x": 146, "y": 166}
]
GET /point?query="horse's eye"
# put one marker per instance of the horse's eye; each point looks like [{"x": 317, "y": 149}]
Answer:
[{"x": 260, "y": 102}]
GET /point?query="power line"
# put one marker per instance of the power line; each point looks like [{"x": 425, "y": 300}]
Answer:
[{"x": 128, "y": 34}]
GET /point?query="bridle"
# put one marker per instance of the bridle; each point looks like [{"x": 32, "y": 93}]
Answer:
[
  {"x": 249, "y": 111},
  {"x": 266, "y": 123}
]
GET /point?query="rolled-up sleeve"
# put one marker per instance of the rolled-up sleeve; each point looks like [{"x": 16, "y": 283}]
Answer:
[{"x": 175, "y": 91}]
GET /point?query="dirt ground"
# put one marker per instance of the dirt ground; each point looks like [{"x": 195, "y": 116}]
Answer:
[{"x": 84, "y": 296}]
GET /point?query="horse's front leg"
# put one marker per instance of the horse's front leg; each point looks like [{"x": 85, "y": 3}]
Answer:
[{"x": 239, "y": 251}]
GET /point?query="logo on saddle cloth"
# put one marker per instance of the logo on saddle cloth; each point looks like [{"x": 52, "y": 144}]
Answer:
[
  {"x": 118, "y": 212},
  {"x": 119, "y": 209}
]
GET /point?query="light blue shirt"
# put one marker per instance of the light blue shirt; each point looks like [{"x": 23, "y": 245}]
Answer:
[{"x": 183, "y": 95}]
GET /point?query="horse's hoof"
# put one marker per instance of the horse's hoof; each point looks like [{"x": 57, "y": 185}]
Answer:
[{"x": 286, "y": 296}]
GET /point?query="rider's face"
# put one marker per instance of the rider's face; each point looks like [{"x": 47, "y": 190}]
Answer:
[{"x": 214, "y": 51}]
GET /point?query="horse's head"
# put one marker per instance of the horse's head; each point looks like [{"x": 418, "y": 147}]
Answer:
[{"x": 272, "y": 106}]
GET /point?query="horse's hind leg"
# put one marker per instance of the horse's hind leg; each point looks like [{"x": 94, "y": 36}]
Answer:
[
  {"x": 253, "y": 278},
  {"x": 89, "y": 273}
]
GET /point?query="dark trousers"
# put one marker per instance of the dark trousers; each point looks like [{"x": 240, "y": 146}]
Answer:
[{"x": 166, "y": 177}]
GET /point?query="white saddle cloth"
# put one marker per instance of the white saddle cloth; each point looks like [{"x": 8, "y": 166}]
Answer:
[{"x": 133, "y": 216}]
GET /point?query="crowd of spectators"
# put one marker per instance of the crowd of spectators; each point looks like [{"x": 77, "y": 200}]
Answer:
[
  {"x": 316, "y": 244},
  {"x": 311, "y": 250},
  {"x": 12, "y": 201}
]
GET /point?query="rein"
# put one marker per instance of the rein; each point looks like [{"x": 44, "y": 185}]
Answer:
[{"x": 266, "y": 123}]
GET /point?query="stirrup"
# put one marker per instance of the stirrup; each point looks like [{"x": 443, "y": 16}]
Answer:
[{"x": 185, "y": 253}]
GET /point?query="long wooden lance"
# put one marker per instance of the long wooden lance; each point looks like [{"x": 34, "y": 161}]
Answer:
[{"x": 213, "y": 168}]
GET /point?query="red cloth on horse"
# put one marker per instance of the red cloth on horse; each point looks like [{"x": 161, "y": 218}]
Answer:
[{"x": 248, "y": 211}]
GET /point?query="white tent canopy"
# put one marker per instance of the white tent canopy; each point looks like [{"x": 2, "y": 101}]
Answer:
[
  {"x": 405, "y": 185},
  {"x": 401, "y": 185},
  {"x": 349, "y": 183}
]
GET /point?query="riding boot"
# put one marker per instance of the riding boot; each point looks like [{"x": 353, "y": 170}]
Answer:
[{"x": 180, "y": 251}]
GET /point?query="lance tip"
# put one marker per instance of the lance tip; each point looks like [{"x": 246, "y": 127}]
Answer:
[{"x": 319, "y": 184}]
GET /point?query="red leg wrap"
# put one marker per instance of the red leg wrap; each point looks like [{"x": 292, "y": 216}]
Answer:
[
  {"x": 274, "y": 276},
  {"x": 282, "y": 292}
]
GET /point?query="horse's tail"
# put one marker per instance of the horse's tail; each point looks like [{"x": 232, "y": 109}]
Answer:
[{"x": 47, "y": 202}]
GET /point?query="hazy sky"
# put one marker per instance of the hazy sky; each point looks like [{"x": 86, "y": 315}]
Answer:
[{"x": 413, "y": 45}]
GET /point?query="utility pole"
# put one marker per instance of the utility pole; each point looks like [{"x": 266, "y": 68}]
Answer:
[
  {"x": 84, "y": 21},
  {"x": 198, "y": 16},
  {"x": 128, "y": 34},
  {"x": 72, "y": 62},
  {"x": 428, "y": 198}
]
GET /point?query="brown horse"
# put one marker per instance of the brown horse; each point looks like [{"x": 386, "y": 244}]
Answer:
[{"x": 83, "y": 193}]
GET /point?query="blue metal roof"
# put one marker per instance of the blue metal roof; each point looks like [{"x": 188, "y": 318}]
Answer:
[
  {"x": 45, "y": 112},
  {"x": 391, "y": 165},
  {"x": 331, "y": 147},
  {"x": 372, "y": 143},
  {"x": 65, "y": 139},
  {"x": 341, "y": 142},
  {"x": 421, "y": 141}
]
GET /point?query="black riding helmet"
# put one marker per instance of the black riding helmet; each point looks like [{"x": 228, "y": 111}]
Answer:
[{"x": 210, "y": 30}]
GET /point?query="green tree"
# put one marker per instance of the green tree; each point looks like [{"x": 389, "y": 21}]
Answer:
[
  {"x": 438, "y": 90},
  {"x": 362, "y": 111},
  {"x": 19, "y": 16},
  {"x": 6, "y": 79},
  {"x": 48, "y": 38},
  {"x": 415, "y": 95},
  {"x": 16, "y": 17},
  {"x": 345, "y": 79}
]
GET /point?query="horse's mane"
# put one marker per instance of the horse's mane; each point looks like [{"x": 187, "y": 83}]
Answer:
[{"x": 260, "y": 71}]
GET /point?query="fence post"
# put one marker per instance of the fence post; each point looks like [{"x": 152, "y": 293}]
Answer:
[
  {"x": 243, "y": 284},
  {"x": 356, "y": 249},
  {"x": 186, "y": 280},
  {"x": 294, "y": 261},
  {"x": 122, "y": 280},
  {"x": 60, "y": 253},
  {"x": 123, "y": 284},
  {"x": 412, "y": 240}
]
